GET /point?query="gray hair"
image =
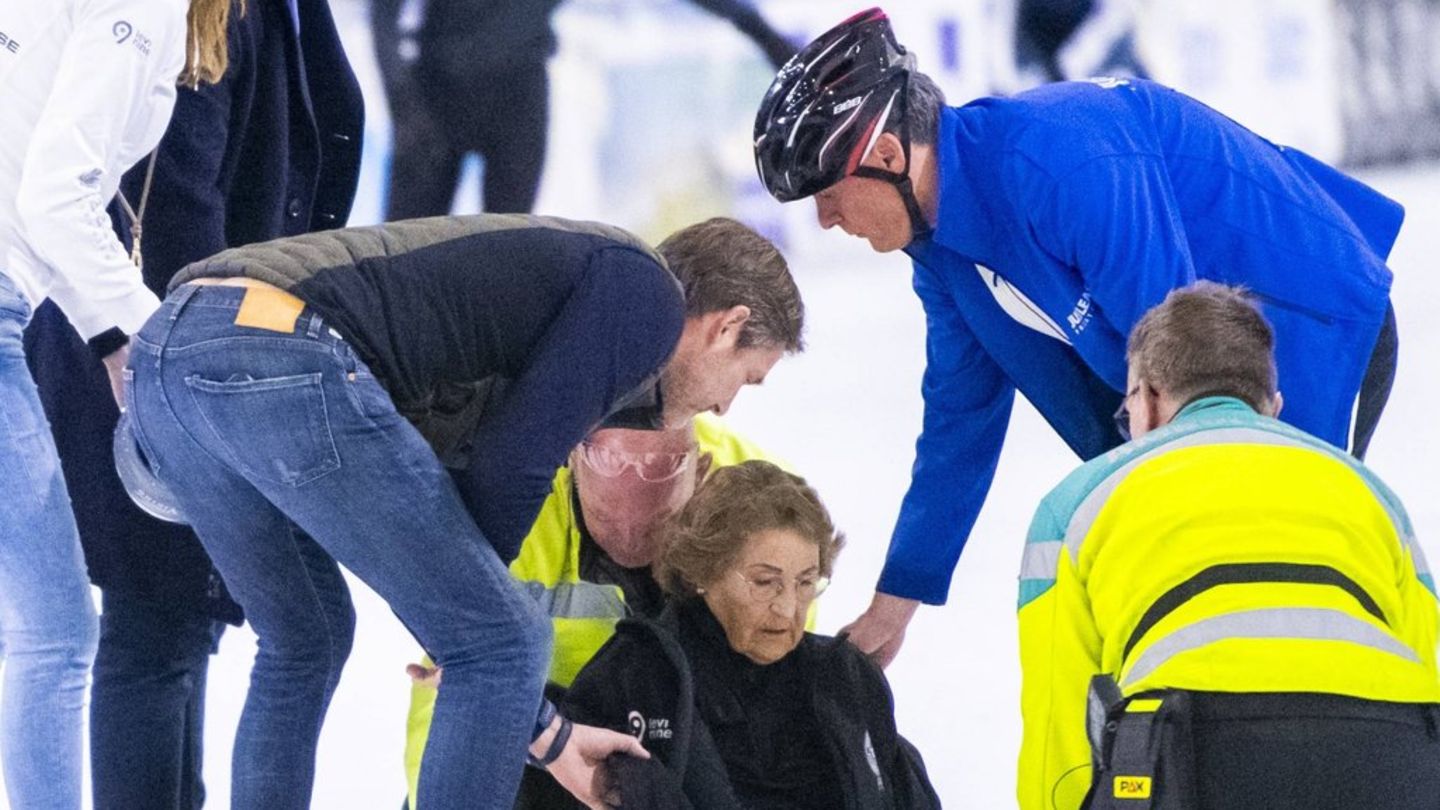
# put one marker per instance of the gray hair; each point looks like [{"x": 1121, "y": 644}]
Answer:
[{"x": 923, "y": 102}]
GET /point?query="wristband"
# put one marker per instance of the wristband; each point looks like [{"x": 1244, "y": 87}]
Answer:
[
  {"x": 543, "y": 719},
  {"x": 557, "y": 745},
  {"x": 106, "y": 343}
]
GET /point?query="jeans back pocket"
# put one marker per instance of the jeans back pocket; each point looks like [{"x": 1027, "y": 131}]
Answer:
[{"x": 274, "y": 429}]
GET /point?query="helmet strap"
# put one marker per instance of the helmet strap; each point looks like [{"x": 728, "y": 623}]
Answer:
[{"x": 919, "y": 226}]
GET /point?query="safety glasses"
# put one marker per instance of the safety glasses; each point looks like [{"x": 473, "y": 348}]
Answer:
[
  {"x": 608, "y": 462},
  {"x": 1122, "y": 414}
]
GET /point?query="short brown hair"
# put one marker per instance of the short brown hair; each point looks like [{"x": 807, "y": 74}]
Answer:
[
  {"x": 722, "y": 264},
  {"x": 700, "y": 543},
  {"x": 1207, "y": 339}
]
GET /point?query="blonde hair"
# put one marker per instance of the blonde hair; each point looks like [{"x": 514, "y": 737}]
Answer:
[
  {"x": 701, "y": 542},
  {"x": 207, "y": 46}
]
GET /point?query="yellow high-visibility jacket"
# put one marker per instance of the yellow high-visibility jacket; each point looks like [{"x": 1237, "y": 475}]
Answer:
[
  {"x": 1225, "y": 552},
  {"x": 583, "y": 614}
]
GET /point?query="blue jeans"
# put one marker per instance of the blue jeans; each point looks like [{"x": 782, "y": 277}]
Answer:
[
  {"x": 270, "y": 439},
  {"x": 47, "y": 619},
  {"x": 147, "y": 705}
]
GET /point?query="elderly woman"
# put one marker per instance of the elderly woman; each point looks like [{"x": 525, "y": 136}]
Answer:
[{"x": 738, "y": 705}]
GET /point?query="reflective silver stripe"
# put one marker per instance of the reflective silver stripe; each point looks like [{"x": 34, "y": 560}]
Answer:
[
  {"x": 1321, "y": 624},
  {"x": 1089, "y": 509},
  {"x": 1422, "y": 566},
  {"x": 1041, "y": 560},
  {"x": 577, "y": 600}
]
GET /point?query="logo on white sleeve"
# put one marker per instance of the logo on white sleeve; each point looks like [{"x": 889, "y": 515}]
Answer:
[{"x": 124, "y": 32}]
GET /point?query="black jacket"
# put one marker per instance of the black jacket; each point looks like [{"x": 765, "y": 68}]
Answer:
[
  {"x": 644, "y": 681},
  {"x": 272, "y": 150}
]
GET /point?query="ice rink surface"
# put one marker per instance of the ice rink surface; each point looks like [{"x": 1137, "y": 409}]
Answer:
[{"x": 846, "y": 414}]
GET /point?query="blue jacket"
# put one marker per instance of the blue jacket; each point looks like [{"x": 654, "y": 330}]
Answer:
[
  {"x": 1067, "y": 212},
  {"x": 272, "y": 150}
]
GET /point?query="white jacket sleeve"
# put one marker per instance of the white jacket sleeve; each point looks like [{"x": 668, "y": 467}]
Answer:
[{"x": 116, "y": 80}]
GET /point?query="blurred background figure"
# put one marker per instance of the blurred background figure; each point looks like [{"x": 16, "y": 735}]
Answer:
[
  {"x": 1068, "y": 40},
  {"x": 271, "y": 149},
  {"x": 470, "y": 77}
]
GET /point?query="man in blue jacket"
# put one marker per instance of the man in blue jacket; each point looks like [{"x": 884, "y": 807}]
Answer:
[
  {"x": 271, "y": 150},
  {"x": 1041, "y": 227}
]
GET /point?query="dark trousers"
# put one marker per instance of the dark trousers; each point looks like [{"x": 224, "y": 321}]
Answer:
[
  {"x": 1375, "y": 387},
  {"x": 147, "y": 705},
  {"x": 501, "y": 115},
  {"x": 1315, "y": 752}
]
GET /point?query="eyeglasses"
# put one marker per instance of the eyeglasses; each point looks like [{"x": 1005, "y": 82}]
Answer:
[
  {"x": 608, "y": 462},
  {"x": 769, "y": 587},
  {"x": 1122, "y": 414}
]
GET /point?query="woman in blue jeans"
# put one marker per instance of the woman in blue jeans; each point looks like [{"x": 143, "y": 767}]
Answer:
[
  {"x": 396, "y": 400},
  {"x": 86, "y": 89},
  {"x": 270, "y": 150}
]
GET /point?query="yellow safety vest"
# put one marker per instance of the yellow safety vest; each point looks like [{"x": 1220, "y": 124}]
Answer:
[{"x": 1226, "y": 552}]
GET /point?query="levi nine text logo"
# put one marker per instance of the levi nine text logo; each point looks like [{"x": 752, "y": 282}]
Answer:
[{"x": 124, "y": 32}]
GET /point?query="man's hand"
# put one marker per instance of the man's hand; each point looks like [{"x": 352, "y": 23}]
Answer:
[
  {"x": 880, "y": 630},
  {"x": 115, "y": 367},
  {"x": 580, "y": 766},
  {"x": 423, "y": 675}
]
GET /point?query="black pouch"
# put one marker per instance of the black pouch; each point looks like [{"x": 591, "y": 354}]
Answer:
[{"x": 1142, "y": 750}]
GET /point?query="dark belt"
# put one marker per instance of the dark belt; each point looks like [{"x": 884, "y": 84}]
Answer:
[{"x": 1222, "y": 706}]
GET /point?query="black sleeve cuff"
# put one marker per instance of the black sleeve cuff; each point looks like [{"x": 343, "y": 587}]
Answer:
[{"x": 106, "y": 343}]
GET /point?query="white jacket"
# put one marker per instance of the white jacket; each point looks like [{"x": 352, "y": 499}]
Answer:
[{"x": 86, "y": 91}]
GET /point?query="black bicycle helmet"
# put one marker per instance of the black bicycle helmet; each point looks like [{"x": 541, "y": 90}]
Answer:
[{"x": 827, "y": 107}]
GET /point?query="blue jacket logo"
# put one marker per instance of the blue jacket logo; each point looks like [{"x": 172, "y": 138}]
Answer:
[{"x": 1080, "y": 316}]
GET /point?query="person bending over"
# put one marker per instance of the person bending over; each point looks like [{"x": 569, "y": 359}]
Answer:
[{"x": 396, "y": 399}]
